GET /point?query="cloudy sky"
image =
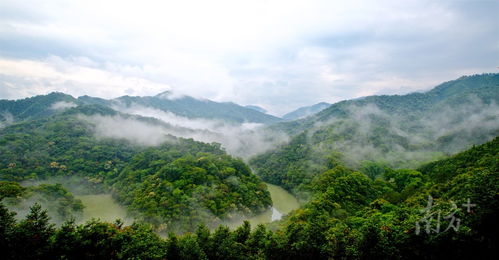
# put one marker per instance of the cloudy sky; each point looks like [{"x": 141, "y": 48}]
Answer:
[{"x": 276, "y": 54}]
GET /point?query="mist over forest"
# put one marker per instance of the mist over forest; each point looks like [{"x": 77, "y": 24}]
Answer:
[{"x": 249, "y": 129}]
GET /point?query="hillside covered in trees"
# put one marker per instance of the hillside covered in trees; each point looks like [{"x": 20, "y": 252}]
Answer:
[
  {"x": 377, "y": 131},
  {"x": 382, "y": 177},
  {"x": 175, "y": 185},
  {"x": 445, "y": 209},
  {"x": 316, "y": 130}
]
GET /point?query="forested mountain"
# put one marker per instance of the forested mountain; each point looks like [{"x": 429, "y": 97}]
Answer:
[
  {"x": 382, "y": 177},
  {"x": 445, "y": 210},
  {"x": 46, "y": 105},
  {"x": 239, "y": 129},
  {"x": 34, "y": 107},
  {"x": 249, "y": 130},
  {"x": 175, "y": 184},
  {"x": 396, "y": 131},
  {"x": 303, "y": 112},
  {"x": 191, "y": 108},
  {"x": 466, "y": 92}
]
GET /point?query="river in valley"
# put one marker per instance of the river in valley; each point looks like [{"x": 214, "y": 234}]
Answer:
[
  {"x": 104, "y": 207},
  {"x": 283, "y": 203}
]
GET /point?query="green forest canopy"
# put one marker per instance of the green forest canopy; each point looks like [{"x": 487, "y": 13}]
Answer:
[{"x": 350, "y": 216}]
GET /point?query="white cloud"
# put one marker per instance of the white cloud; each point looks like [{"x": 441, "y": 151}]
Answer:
[
  {"x": 136, "y": 131},
  {"x": 24, "y": 77}
]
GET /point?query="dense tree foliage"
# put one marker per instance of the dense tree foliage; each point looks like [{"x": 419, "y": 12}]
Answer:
[
  {"x": 357, "y": 166},
  {"x": 61, "y": 145},
  {"x": 175, "y": 186},
  {"x": 292, "y": 165},
  {"x": 350, "y": 216},
  {"x": 396, "y": 131},
  {"x": 34, "y": 107},
  {"x": 180, "y": 189}
]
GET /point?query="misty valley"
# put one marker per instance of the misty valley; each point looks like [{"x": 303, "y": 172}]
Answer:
[
  {"x": 412, "y": 176},
  {"x": 105, "y": 208}
]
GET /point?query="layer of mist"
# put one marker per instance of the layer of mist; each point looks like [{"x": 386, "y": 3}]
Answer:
[
  {"x": 242, "y": 140},
  {"x": 370, "y": 133},
  {"x": 6, "y": 118},
  {"x": 97, "y": 201}
]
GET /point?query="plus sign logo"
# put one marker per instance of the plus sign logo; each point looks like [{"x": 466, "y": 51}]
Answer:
[{"x": 468, "y": 206}]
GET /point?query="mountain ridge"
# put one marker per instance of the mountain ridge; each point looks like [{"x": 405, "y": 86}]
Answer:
[
  {"x": 402, "y": 104},
  {"x": 185, "y": 106},
  {"x": 303, "y": 112},
  {"x": 397, "y": 131}
]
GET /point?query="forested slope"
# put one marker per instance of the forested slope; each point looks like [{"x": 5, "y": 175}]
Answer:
[
  {"x": 445, "y": 210},
  {"x": 397, "y": 131},
  {"x": 174, "y": 185},
  {"x": 33, "y": 107}
]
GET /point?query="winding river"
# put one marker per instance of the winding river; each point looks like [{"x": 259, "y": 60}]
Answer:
[
  {"x": 283, "y": 203},
  {"x": 104, "y": 207}
]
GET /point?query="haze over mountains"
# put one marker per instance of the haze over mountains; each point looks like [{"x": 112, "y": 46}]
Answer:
[
  {"x": 239, "y": 129},
  {"x": 397, "y": 130},
  {"x": 172, "y": 163},
  {"x": 436, "y": 121},
  {"x": 244, "y": 130},
  {"x": 476, "y": 89},
  {"x": 182, "y": 106}
]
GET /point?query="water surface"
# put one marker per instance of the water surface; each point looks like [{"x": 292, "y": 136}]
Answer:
[
  {"x": 103, "y": 207},
  {"x": 283, "y": 203}
]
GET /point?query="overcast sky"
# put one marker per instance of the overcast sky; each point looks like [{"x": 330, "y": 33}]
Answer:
[{"x": 279, "y": 55}]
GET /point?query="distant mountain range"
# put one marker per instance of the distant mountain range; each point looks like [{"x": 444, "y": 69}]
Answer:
[
  {"x": 303, "y": 112},
  {"x": 479, "y": 90},
  {"x": 45, "y": 105}
]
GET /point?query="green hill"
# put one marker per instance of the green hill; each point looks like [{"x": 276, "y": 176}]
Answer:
[
  {"x": 189, "y": 107},
  {"x": 397, "y": 131},
  {"x": 35, "y": 107},
  {"x": 175, "y": 185},
  {"x": 447, "y": 210}
]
